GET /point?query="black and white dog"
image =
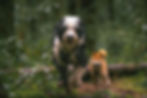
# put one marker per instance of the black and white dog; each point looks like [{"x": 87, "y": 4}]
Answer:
[{"x": 69, "y": 50}]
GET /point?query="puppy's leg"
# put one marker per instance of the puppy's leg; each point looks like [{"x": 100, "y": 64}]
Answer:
[
  {"x": 91, "y": 71},
  {"x": 105, "y": 75},
  {"x": 93, "y": 76},
  {"x": 107, "y": 81}
]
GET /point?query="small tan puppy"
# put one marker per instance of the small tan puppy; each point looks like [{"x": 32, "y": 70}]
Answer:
[{"x": 98, "y": 69}]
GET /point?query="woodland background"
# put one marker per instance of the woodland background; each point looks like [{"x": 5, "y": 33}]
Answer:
[{"x": 26, "y": 28}]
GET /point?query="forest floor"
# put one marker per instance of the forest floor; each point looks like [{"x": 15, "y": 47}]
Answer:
[{"x": 124, "y": 87}]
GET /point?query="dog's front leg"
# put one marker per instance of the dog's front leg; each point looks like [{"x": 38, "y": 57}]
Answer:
[
  {"x": 80, "y": 71},
  {"x": 64, "y": 78}
]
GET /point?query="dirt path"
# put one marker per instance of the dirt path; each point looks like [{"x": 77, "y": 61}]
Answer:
[{"x": 89, "y": 88}]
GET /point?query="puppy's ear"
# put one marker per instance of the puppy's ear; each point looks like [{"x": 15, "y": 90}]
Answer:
[{"x": 102, "y": 53}]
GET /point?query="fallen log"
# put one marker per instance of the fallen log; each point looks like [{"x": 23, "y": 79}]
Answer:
[
  {"x": 124, "y": 69},
  {"x": 114, "y": 69},
  {"x": 118, "y": 70}
]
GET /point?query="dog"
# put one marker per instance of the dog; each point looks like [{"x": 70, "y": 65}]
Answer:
[
  {"x": 69, "y": 50},
  {"x": 98, "y": 68}
]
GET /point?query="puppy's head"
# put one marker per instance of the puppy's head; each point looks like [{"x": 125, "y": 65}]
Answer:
[
  {"x": 98, "y": 58},
  {"x": 101, "y": 54},
  {"x": 70, "y": 31}
]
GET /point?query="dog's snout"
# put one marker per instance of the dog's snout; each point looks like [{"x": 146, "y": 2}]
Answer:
[
  {"x": 98, "y": 64},
  {"x": 69, "y": 39}
]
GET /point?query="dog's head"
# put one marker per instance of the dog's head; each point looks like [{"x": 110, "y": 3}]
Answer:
[
  {"x": 70, "y": 31},
  {"x": 98, "y": 58}
]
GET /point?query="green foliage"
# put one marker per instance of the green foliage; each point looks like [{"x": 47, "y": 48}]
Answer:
[
  {"x": 119, "y": 26},
  {"x": 135, "y": 83},
  {"x": 103, "y": 94}
]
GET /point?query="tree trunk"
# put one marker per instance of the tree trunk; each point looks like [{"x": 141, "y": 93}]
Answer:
[{"x": 7, "y": 30}]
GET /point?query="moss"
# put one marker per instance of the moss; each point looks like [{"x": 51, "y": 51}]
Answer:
[{"x": 132, "y": 83}]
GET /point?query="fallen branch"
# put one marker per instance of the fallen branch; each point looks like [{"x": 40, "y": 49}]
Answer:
[
  {"x": 114, "y": 69},
  {"x": 124, "y": 69}
]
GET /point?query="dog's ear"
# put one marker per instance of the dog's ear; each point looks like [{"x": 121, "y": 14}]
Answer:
[
  {"x": 58, "y": 26},
  {"x": 81, "y": 24},
  {"x": 59, "y": 29},
  {"x": 81, "y": 28},
  {"x": 102, "y": 53}
]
